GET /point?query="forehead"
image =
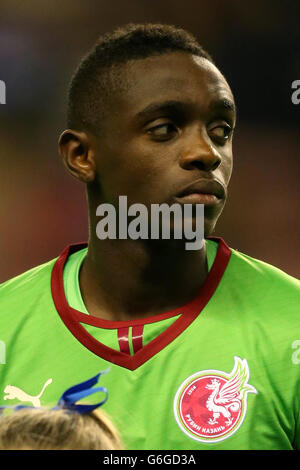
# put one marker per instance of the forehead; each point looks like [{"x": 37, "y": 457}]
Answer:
[{"x": 174, "y": 76}]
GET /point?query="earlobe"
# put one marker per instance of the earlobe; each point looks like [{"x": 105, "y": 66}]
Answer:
[{"x": 77, "y": 155}]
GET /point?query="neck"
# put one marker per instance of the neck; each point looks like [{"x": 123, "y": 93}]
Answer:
[{"x": 131, "y": 279}]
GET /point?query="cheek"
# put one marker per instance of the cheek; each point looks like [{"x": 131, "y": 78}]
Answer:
[
  {"x": 229, "y": 170},
  {"x": 223, "y": 172},
  {"x": 143, "y": 163},
  {"x": 226, "y": 167},
  {"x": 134, "y": 173}
]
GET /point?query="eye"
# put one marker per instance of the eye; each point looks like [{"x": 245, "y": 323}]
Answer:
[
  {"x": 163, "y": 131},
  {"x": 221, "y": 132}
]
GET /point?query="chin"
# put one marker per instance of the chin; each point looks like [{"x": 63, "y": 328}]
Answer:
[
  {"x": 209, "y": 227},
  {"x": 209, "y": 231},
  {"x": 210, "y": 221}
]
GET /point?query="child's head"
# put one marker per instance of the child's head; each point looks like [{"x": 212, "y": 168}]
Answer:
[
  {"x": 70, "y": 425},
  {"x": 45, "y": 429}
]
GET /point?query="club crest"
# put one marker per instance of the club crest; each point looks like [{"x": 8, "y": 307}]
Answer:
[{"x": 210, "y": 405}]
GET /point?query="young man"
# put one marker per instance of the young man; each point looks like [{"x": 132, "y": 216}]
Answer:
[{"x": 203, "y": 345}]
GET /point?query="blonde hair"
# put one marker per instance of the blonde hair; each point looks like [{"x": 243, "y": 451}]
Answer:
[{"x": 45, "y": 429}]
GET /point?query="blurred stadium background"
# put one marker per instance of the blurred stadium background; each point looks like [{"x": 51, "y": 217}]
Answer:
[{"x": 257, "y": 46}]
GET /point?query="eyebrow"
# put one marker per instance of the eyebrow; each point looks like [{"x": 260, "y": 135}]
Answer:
[
  {"x": 223, "y": 104},
  {"x": 160, "y": 106}
]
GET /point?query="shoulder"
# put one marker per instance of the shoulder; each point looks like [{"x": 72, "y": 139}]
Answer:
[
  {"x": 266, "y": 290},
  {"x": 250, "y": 269},
  {"x": 28, "y": 286},
  {"x": 263, "y": 301}
]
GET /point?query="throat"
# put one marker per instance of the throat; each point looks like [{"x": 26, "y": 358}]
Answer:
[{"x": 128, "y": 288}]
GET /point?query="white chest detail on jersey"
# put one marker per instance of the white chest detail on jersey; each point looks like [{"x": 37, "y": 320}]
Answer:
[{"x": 15, "y": 392}]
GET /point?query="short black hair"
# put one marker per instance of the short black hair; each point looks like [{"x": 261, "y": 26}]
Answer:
[{"x": 98, "y": 75}]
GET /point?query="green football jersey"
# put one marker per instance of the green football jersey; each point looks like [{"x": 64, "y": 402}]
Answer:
[{"x": 221, "y": 372}]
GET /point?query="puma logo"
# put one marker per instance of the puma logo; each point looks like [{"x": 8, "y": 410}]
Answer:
[{"x": 15, "y": 392}]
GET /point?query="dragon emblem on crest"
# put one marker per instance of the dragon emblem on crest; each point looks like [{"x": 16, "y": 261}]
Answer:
[
  {"x": 210, "y": 405},
  {"x": 228, "y": 397}
]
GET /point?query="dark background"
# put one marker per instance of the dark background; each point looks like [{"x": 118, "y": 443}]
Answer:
[{"x": 257, "y": 47}]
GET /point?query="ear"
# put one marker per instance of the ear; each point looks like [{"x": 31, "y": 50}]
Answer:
[{"x": 77, "y": 154}]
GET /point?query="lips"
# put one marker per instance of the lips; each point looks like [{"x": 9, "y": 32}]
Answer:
[{"x": 203, "y": 187}]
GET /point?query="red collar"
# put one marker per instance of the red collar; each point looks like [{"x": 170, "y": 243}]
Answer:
[{"x": 73, "y": 318}]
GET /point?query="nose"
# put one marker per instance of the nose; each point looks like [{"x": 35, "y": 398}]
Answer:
[{"x": 199, "y": 152}]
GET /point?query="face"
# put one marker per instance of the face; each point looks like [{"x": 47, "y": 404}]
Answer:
[{"x": 168, "y": 138}]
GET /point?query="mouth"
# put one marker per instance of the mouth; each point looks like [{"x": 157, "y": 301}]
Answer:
[{"x": 204, "y": 191}]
